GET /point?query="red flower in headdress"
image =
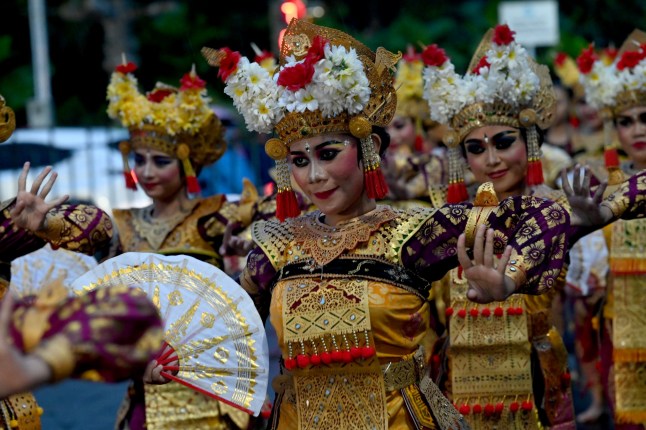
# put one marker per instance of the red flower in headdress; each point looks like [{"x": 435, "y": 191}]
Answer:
[
  {"x": 611, "y": 53},
  {"x": 297, "y": 76},
  {"x": 228, "y": 64},
  {"x": 317, "y": 50},
  {"x": 433, "y": 55},
  {"x": 191, "y": 80},
  {"x": 502, "y": 35},
  {"x": 630, "y": 59},
  {"x": 158, "y": 94},
  {"x": 560, "y": 58},
  {"x": 264, "y": 55},
  {"x": 482, "y": 63},
  {"x": 411, "y": 56},
  {"x": 126, "y": 68},
  {"x": 586, "y": 60}
]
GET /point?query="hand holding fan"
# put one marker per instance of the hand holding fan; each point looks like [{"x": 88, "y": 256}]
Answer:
[{"x": 211, "y": 324}]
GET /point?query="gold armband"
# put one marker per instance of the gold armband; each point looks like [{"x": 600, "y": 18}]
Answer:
[
  {"x": 484, "y": 204},
  {"x": 59, "y": 356},
  {"x": 516, "y": 270},
  {"x": 54, "y": 229}
]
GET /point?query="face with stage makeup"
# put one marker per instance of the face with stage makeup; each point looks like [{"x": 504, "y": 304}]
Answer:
[
  {"x": 498, "y": 154},
  {"x": 326, "y": 168},
  {"x": 631, "y": 129},
  {"x": 158, "y": 173}
]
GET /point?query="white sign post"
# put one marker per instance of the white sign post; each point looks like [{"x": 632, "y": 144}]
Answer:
[{"x": 536, "y": 23}]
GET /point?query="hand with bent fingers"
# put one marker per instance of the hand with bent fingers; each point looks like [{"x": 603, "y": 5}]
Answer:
[
  {"x": 18, "y": 372},
  {"x": 152, "y": 374},
  {"x": 485, "y": 276},
  {"x": 234, "y": 245},
  {"x": 30, "y": 210},
  {"x": 586, "y": 210}
]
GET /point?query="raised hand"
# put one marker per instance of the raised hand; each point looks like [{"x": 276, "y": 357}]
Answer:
[
  {"x": 586, "y": 209},
  {"x": 30, "y": 210},
  {"x": 487, "y": 281},
  {"x": 234, "y": 245},
  {"x": 18, "y": 372}
]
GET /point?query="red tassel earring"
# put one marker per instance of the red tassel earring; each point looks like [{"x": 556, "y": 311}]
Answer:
[
  {"x": 286, "y": 203},
  {"x": 527, "y": 119},
  {"x": 192, "y": 185},
  {"x": 129, "y": 175},
  {"x": 457, "y": 191}
]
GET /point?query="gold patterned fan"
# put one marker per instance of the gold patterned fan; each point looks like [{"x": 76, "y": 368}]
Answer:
[
  {"x": 211, "y": 324},
  {"x": 33, "y": 271}
]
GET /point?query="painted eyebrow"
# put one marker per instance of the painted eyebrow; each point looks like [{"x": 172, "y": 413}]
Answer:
[
  {"x": 318, "y": 147},
  {"x": 494, "y": 137}
]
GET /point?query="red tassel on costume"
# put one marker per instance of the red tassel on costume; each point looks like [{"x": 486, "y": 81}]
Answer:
[
  {"x": 381, "y": 187},
  {"x": 192, "y": 185},
  {"x": 370, "y": 183},
  {"x": 457, "y": 193},
  {"x": 535, "y": 173},
  {"x": 611, "y": 157},
  {"x": 280, "y": 206},
  {"x": 419, "y": 144},
  {"x": 291, "y": 205},
  {"x": 131, "y": 184}
]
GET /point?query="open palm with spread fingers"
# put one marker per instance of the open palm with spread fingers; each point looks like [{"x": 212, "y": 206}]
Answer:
[
  {"x": 586, "y": 208},
  {"x": 485, "y": 276},
  {"x": 18, "y": 372},
  {"x": 30, "y": 210}
]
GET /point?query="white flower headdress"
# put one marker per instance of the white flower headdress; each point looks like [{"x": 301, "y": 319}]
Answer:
[
  {"x": 613, "y": 87},
  {"x": 326, "y": 82},
  {"x": 503, "y": 86}
]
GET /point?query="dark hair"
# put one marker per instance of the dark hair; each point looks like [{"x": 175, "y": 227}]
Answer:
[
  {"x": 385, "y": 142},
  {"x": 523, "y": 133}
]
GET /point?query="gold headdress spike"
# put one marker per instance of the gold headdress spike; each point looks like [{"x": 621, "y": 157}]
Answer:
[
  {"x": 504, "y": 86},
  {"x": 306, "y": 99},
  {"x": 615, "y": 87},
  {"x": 176, "y": 121},
  {"x": 7, "y": 121}
]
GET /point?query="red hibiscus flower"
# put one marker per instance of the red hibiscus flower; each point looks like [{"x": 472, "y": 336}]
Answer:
[
  {"x": 586, "y": 60},
  {"x": 560, "y": 59},
  {"x": 502, "y": 35},
  {"x": 159, "y": 94},
  {"x": 482, "y": 63},
  {"x": 629, "y": 59},
  {"x": 433, "y": 55},
  {"x": 191, "y": 80},
  {"x": 317, "y": 50},
  {"x": 228, "y": 64},
  {"x": 126, "y": 68},
  {"x": 297, "y": 76}
]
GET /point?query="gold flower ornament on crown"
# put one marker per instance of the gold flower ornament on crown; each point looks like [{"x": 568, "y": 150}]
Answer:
[
  {"x": 326, "y": 82},
  {"x": 176, "y": 121}
]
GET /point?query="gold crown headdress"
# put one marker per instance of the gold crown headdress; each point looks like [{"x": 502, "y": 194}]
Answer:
[
  {"x": 615, "y": 87},
  {"x": 176, "y": 121},
  {"x": 327, "y": 82},
  {"x": 503, "y": 86},
  {"x": 410, "y": 92},
  {"x": 567, "y": 71},
  {"x": 7, "y": 121}
]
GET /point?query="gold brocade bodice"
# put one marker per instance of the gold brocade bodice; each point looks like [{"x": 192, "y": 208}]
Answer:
[
  {"x": 339, "y": 334},
  {"x": 140, "y": 232}
]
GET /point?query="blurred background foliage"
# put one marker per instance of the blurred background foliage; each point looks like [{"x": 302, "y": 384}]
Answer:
[{"x": 164, "y": 38}]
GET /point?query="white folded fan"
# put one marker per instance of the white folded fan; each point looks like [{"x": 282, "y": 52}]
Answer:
[{"x": 210, "y": 323}]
